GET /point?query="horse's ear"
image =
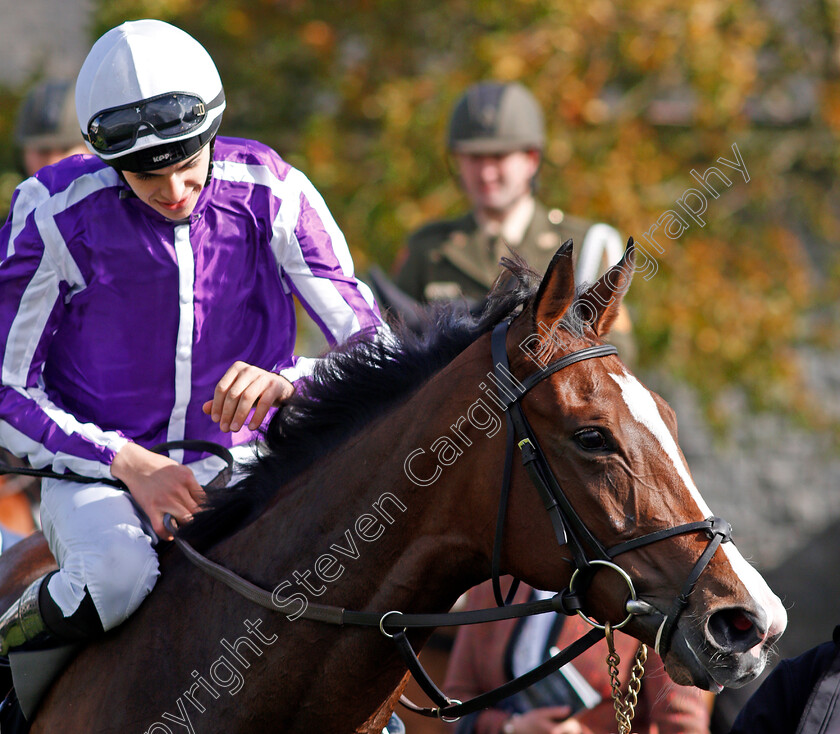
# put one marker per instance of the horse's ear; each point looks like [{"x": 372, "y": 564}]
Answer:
[
  {"x": 557, "y": 290},
  {"x": 599, "y": 304}
]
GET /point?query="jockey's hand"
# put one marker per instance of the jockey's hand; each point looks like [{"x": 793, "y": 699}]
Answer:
[
  {"x": 547, "y": 720},
  {"x": 244, "y": 388},
  {"x": 159, "y": 485}
]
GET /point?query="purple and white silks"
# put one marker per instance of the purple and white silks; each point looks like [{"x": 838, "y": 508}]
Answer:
[{"x": 116, "y": 323}]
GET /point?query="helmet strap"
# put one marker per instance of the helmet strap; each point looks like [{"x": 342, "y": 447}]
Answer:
[{"x": 210, "y": 167}]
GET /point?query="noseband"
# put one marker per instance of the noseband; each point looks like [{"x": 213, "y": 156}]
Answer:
[{"x": 569, "y": 529}]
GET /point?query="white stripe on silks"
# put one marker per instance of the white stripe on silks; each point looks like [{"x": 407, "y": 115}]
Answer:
[
  {"x": 40, "y": 456},
  {"x": 30, "y": 320},
  {"x": 55, "y": 250},
  {"x": 184, "y": 344},
  {"x": 319, "y": 293},
  {"x": 41, "y": 292},
  {"x": 304, "y": 367},
  {"x": 21, "y": 445},
  {"x": 31, "y": 193},
  {"x": 72, "y": 425},
  {"x": 367, "y": 294},
  {"x": 283, "y": 226},
  {"x": 54, "y": 243},
  {"x": 316, "y": 201}
]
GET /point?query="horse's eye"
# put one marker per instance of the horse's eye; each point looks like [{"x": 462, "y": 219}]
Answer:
[{"x": 591, "y": 439}]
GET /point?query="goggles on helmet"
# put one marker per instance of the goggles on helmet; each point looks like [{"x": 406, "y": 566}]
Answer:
[{"x": 167, "y": 116}]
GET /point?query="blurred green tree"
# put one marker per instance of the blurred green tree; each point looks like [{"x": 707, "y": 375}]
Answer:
[{"x": 637, "y": 94}]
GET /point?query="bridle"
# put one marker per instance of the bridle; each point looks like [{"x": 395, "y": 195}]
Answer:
[
  {"x": 587, "y": 555},
  {"x": 568, "y": 526}
]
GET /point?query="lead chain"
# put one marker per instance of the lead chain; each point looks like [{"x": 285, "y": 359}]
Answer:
[{"x": 625, "y": 707}]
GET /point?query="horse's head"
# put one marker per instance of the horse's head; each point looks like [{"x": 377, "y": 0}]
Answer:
[{"x": 612, "y": 446}]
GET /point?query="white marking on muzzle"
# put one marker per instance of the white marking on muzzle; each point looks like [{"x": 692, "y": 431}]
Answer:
[{"x": 643, "y": 408}]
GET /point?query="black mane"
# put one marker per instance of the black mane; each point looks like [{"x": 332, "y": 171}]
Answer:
[{"x": 351, "y": 387}]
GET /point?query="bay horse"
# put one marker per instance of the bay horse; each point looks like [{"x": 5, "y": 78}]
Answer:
[{"x": 378, "y": 489}]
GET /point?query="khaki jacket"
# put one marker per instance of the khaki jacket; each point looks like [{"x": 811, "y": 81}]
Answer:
[{"x": 454, "y": 258}]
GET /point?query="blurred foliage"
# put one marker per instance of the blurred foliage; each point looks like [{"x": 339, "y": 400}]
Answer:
[
  {"x": 9, "y": 177},
  {"x": 637, "y": 94}
]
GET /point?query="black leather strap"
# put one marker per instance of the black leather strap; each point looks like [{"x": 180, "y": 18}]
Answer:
[
  {"x": 602, "y": 350},
  {"x": 496, "y": 561},
  {"x": 205, "y": 447},
  {"x": 721, "y": 532},
  {"x": 657, "y": 536},
  {"x": 563, "y": 516},
  {"x": 389, "y": 621},
  {"x": 419, "y": 673},
  {"x": 490, "y": 698},
  {"x": 26, "y": 471}
]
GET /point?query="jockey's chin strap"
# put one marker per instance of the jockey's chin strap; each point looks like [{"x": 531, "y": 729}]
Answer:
[{"x": 569, "y": 528}]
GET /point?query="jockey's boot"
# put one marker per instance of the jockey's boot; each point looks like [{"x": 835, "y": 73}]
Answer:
[
  {"x": 22, "y": 622},
  {"x": 35, "y": 618}
]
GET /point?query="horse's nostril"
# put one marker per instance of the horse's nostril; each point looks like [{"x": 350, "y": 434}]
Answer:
[
  {"x": 741, "y": 622},
  {"x": 734, "y": 630}
]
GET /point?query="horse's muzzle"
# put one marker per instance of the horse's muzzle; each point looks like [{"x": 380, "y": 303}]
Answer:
[{"x": 729, "y": 650}]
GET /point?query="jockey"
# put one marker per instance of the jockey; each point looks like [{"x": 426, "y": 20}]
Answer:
[{"x": 146, "y": 296}]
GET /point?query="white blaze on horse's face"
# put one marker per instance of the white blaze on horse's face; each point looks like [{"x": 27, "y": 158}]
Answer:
[{"x": 643, "y": 408}]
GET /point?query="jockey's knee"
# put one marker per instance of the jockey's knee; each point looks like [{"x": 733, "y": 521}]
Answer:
[{"x": 119, "y": 575}]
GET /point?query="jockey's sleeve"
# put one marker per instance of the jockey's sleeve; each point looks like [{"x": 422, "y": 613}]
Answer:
[
  {"x": 316, "y": 265},
  {"x": 34, "y": 286}
]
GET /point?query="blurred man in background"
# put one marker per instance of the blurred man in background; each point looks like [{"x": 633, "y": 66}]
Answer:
[
  {"x": 46, "y": 130},
  {"x": 497, "y": 138}
]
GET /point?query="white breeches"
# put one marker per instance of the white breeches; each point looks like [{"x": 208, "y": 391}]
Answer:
[{"x": 103, "y": 541}]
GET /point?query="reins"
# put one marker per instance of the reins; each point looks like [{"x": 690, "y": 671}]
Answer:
[
  {"x": 204, "y": 447},
  {"x": 588, "y": 554},
  {"x": 395, "y": 624},
  {"x": 569, "y": 529}
]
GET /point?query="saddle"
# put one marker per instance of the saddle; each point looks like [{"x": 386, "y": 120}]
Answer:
[{"x": 27, "y": 677}]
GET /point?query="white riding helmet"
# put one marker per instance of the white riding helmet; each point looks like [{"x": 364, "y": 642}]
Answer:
[{"x": 148, "y": 95}]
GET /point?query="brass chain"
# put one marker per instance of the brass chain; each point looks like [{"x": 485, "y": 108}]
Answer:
[{"x": 625, "y": 707}]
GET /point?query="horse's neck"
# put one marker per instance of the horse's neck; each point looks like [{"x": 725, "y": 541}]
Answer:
[{"x": 358, "y": 531}]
